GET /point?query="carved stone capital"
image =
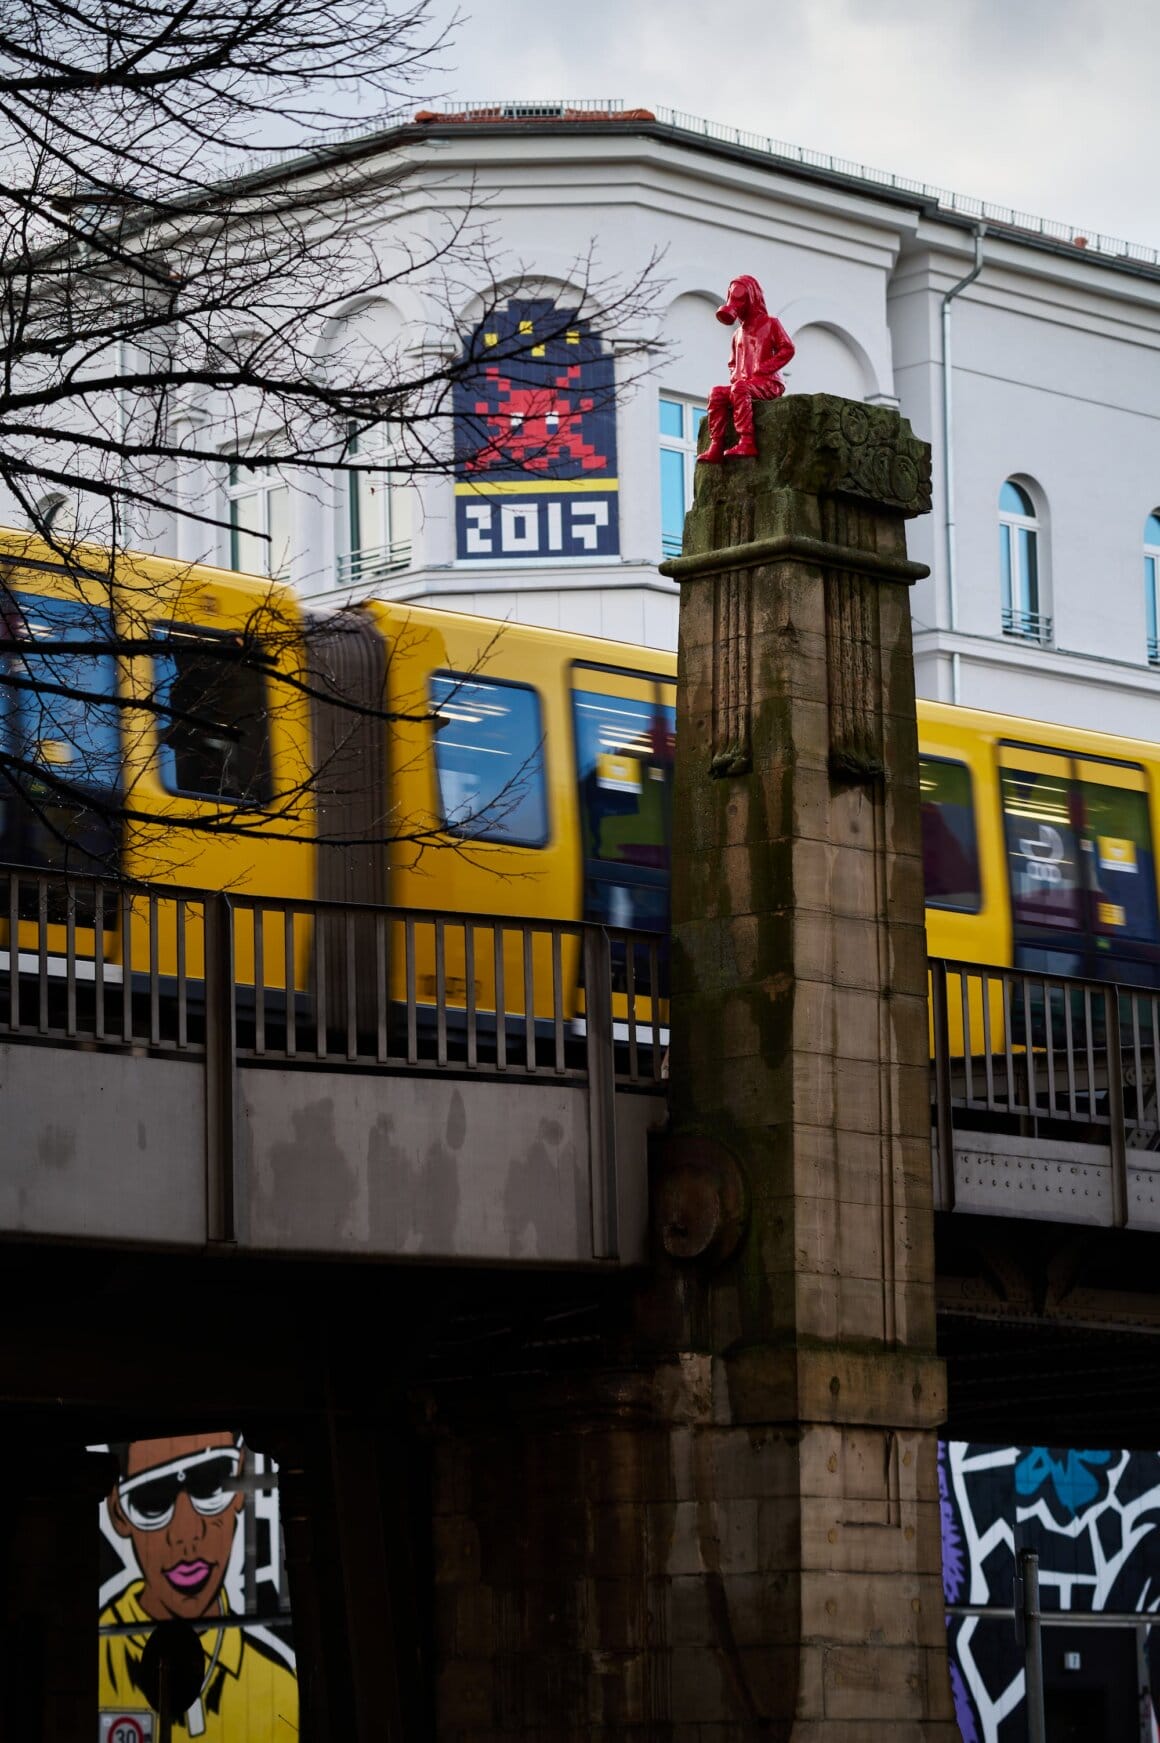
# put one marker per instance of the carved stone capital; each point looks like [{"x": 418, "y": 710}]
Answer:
[
  {"x": 815, "y": 445},
  {"x": 873, "y": 455}
]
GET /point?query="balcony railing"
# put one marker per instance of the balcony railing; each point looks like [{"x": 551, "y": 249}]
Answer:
[
  {"x": 1028, "y": 626},
  {"x": 374, "y": 563}
]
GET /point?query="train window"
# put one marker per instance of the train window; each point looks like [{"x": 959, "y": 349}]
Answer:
[
  {"x": 1117, "y": 843},
  {"x": 624, "y": 749},
  {"x": 51, "y": 716},
  {"x": 213, "y": 724},
  {"x": 950, "y": 852},
  {"x": 489, "y": 759},
  {"x": 624, "y": 734},
  {"x": 1042, "y": 850}
]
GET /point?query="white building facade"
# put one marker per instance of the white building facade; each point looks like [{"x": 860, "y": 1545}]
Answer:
[{"x": 1044, "y": 556}]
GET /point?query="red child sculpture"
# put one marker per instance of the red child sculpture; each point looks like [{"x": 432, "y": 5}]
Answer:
[{"x": 761, "y": 347}]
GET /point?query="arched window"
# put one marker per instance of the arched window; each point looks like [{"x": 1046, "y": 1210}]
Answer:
[
  {"x": 1019, "y": 565},
  {"x": 1151, "y": 560}
]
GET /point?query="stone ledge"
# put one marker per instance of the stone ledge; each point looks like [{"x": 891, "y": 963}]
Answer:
[{"x": 795, "y": 548}]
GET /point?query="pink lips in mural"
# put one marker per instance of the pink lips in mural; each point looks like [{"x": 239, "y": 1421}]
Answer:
[{"x": 188, "y": 1576}]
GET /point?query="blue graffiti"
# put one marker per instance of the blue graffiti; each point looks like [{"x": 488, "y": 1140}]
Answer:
[{"x": 1076, "y": 1477}]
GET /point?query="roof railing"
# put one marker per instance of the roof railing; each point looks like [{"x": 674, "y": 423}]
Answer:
[{"x": 504, "y": 110}]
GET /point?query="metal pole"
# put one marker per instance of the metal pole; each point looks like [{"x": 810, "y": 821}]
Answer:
[
  {"x": 602, "y": 1161},
  {"x": 164, "y": 1704},
  {"x": 944, "y": 1129},
  {"x": 1032, "y": 1645},
  {"x": 949, "y": 451}
]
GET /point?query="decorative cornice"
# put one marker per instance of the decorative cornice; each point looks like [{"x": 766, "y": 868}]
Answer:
[{"x": 795, "y": 548}]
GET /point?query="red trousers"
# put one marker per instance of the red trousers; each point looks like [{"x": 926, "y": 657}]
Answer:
[{"x": 741, "y": 396}]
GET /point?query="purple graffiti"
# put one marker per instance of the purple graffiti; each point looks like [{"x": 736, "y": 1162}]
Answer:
[{"x": 953, "y": 1560}]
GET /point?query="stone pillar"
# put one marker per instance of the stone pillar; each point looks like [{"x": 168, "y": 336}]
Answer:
[
  {"x": 717, "y": 1521},
  {"x": 794, "y": 1191}
]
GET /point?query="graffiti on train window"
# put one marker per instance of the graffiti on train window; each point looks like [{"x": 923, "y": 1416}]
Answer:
[
  {"x": 1118, "y": 848},
  {"x": 1042, "y": 850},
  {"x": 191, "y": 1530},
  {"x": 624, "y": 767}
]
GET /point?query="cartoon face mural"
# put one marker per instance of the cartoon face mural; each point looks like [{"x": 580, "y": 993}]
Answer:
[
  {"x": 535, "y": 440},
  {"x": 184, "y": 1539},
  {"x": 1092, "y": 1517}
]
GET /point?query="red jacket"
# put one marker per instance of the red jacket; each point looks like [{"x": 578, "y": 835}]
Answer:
[{"x": 760, "y": 350}]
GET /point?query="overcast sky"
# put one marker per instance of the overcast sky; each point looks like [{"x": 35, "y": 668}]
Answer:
[{"x": 1047, "y": 105}]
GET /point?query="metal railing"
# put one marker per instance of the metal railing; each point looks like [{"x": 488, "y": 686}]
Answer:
[
  {"x": 1041, "y": 1054},
  {"x": 243, "y": 980},
  {"x": 1030, "y": 626},
  {"x": 507, "y": 109},
  {"x": 89, "y": 960},
  {"x": 372, "y": 563}
]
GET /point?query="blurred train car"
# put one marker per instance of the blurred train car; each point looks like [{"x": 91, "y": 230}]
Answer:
[{"x": 173, "y": 724}]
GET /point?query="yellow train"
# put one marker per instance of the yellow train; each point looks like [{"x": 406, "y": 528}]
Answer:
[{"x": 176, "y": 724}]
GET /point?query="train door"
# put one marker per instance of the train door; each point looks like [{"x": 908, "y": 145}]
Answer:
[
  {"x": 1082, "y": 873},
  {"x": 624, "y": 727},
  {"x": 60, "y": 810},
  {"x": 60, "y": 801}
]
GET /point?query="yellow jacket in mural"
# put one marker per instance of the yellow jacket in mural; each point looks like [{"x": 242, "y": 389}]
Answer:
[{"x": 249, "y": 1695}]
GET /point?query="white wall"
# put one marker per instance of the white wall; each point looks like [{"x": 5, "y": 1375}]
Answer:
[{"x": 1056, "y": 380}]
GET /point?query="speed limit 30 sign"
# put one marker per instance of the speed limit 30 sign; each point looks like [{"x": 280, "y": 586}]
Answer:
[{"x": 126, "y": 1727}]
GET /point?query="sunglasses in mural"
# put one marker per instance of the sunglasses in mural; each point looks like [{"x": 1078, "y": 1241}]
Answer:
[{"x": 209, "y": 1479}]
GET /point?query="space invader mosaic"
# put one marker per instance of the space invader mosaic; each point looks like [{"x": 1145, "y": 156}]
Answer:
[{"x": 535, "y": 440}]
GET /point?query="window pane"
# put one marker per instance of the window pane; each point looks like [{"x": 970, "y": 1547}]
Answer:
[
  {"x": 74, "y": 736},
  {"x": 1152, "y": 530},
  {"x": 400, "y": 527},
  {"x": 247, "y": 551},
  {"x": 1150, "y": 602},
  {"x": 367, "y": 491},
  {"x": 489, "y": 760},
  {"x": 1118, "y": 846},
  {"x": 1005, "y": 567},
  {"x": 672, "y": 418},
  {"x": 672, "y": 501},
  {"x": 698, "y": 413},
  {"x": 1013, "y": 499},
  {"x": 1041, "y": 850},
  {"x": 950, "y": 856},
  {"x": 624, "y": 752},
  {"x": 624, "y": 764},
  {"x": 215, "y": 743},
  {"x": 278, "y": 509},
  {"x": 1028, "y": 572}
]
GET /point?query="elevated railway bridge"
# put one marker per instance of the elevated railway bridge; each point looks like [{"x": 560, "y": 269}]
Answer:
[{"x": 462, "y": 1091}]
